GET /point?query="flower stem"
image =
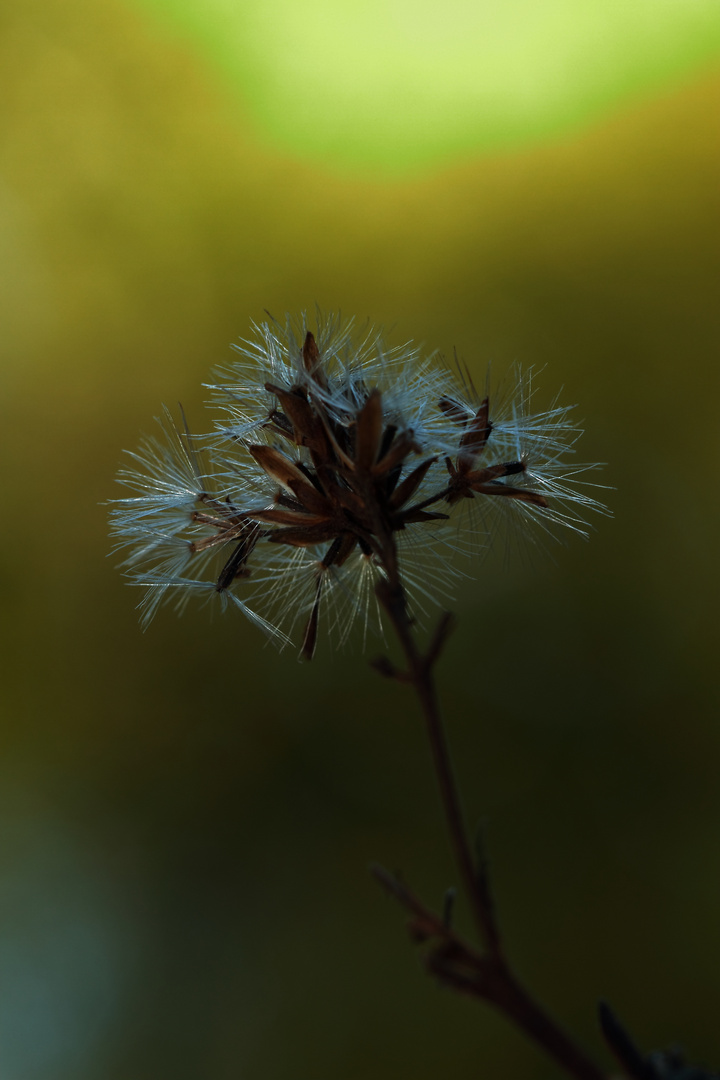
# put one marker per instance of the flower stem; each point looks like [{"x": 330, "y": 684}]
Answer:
[
  {"x": 421, "y": 676},
  {"x": 490, "y": 976}
]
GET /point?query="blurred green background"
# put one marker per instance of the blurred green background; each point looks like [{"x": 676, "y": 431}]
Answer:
[{"x": 186, "y": 817}]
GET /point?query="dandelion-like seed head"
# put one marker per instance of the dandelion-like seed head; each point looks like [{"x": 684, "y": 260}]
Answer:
[{"x": 335, "y": 462}]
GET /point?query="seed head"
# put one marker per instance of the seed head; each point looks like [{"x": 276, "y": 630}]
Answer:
[{"x": 335, "y": 463}]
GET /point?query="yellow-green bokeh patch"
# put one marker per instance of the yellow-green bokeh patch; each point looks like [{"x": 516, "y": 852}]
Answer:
[{"x": 397, "y": 84}]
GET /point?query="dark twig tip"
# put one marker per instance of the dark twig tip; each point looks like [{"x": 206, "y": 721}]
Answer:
[
  {"x": 387, "y": 669},
  {"x": 622, "y": 1045},
  {"x": 445, "y": 626},
  {"x": 449, "y": 906},
  {"x": 385, "y": 878}
]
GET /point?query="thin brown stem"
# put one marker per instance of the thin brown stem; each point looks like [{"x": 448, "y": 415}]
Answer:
[
  {"x": 487, "y": 975},
  {"x": 420, "y": 674}
]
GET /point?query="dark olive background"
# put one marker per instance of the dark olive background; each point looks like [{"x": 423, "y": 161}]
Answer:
[{"x": 187, "y": 817}]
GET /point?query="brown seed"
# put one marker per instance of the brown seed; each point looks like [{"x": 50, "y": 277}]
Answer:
[{"x": 369, "y": 431}]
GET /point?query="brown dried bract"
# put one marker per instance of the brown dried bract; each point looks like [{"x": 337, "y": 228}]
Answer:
[{"x": 466, "y": 479}]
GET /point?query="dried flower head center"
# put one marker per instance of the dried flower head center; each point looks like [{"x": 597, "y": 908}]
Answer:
[
  {"x": 350, "y": 494},
  {"x": 363, "y": 446}
]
